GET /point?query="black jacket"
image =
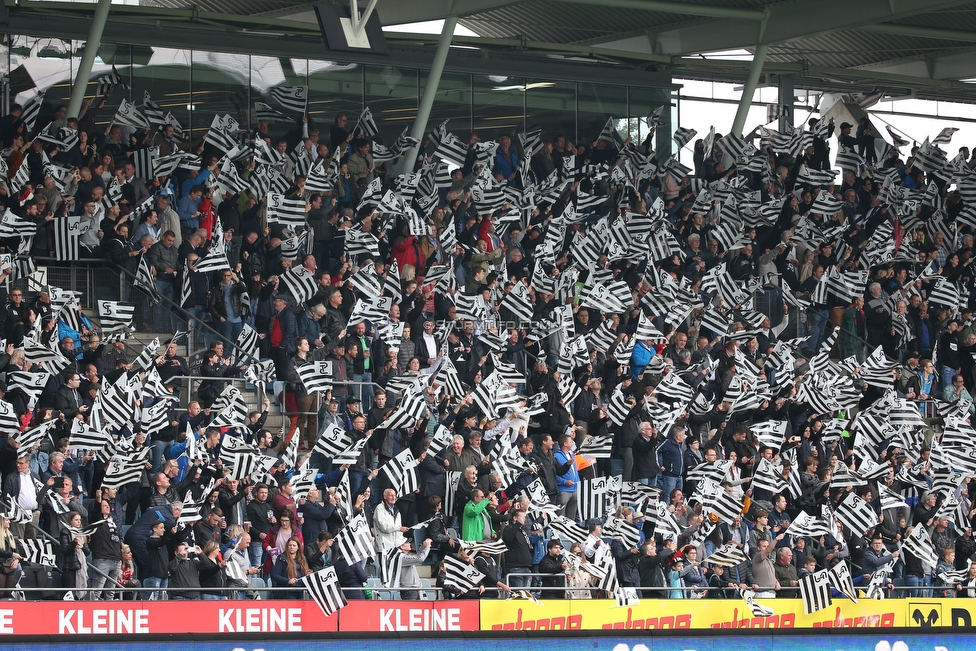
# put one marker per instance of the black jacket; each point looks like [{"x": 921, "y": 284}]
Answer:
[
  {"x": 184, "y": 577},
  {"x": 519, "y": 552}
]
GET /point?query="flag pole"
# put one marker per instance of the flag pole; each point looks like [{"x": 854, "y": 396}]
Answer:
[{"x": 88, "y": 58}]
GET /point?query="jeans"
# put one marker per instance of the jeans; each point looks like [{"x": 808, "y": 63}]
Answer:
[
  {"x": 818, "y": 322},
  {"x": 917, "y": 582},
  {"x": 364, "y": 391},
  {"x": 162, "y": 317},
  {"x": 213, "y": 597},
  {"x": 668, "y": 484},
  {"x": 98, "y": 581},
  {"x": 255, "y": 551},
  {"x": 159, "y": 449},
  {"x": 198, "y": 336},
  {"x": 947, "y": 374},
  {"x": 568, "y": 502},
  {"x": 229, "y": 329},
  {"x": 356, "y": 480},
  {"x": 153, "y": 584},
  {"x": 517, "y": 578}
]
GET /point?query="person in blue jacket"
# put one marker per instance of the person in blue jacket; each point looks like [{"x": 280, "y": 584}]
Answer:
[
  {"x": 641, "y": 357},
  {"x": 671, "y": 459},
  {"x": 567, "y": 476}
]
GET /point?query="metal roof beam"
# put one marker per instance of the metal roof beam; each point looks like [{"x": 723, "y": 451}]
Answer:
[
  {"x": 897, "y": 29},
  {"x": 396, "y": 12},
  {"x": 791, "y": 21},
  {"x": 683, "y": 8}
]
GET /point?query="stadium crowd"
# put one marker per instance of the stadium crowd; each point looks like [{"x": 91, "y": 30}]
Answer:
[{"x": 735, "y": 349}]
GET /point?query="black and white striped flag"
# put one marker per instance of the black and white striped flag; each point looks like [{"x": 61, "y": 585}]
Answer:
[
  {"x": 286, "y": 210},
  {"x": 291, "y": 98},
  {"x": 598, "y": 447},
  {"x": 324, "y": 588},
  {"x": 153, "y": 111},
  {"x": 247, "y": 344},
  {"x": 109, "y": 81},
  {"x": 728, "y": 555},
  {"x": 67, "y": 237},
  {"x": 144, "y": 160},
  {"x": 567, "y": 529},
  {"x": 115, "y": 317},
  {"x": 406, "y": 414},
  {"x": 361, "y": 243},
  {"x": 37, "y": 551},
  {"x": 458, "y": 574},
  {"x": 840, "y": 578},
  {"x": 155, "y": 418},
  {"x": 300, "y": 283},
  {"x": 452, "y": 150},
  {"x": 84, "y": 437},
  {"x": 757, "y": 609},
  {"x": 219, "y": 136},
  {"x": 144, "y": 280},
  {"x": 129, "y": 116},
  {"x": 390, "y": 561},
  {"x": 31, "y": 110},
  {"x": 682, "y": 136},
  {"x": 402, "y": 473},
  {"x": 332, "y": 441},
  {"x": 815, "y": 591},
  {"x": 264, "y": 113},
  {"x": 618, "y": 528},
  {"x": 856, "y": 514},
  {"x": 592, "y": 497},
  {"x": 366, "y": 127},
  {"x": 919, "y": 544},
  {"x": 945, "y": 136},
  {"x": 354, "y": 541},
  {"x": 316, "y": 376},
  {"x": 120, "y": 471}
]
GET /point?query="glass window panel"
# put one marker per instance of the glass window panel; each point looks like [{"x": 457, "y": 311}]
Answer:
[
  {"x": 597, "y": 103},
  {"x": 391, "y": 95},
  {"x": 643, "y": 102},
  {"x": 165, "y": 73},
  {"x": 48, "y": 62},
  {"x": 332, "y": 89},
  {"x": 551, "y": 105},
  {"x": 499, "y": 106},
  {"x": 221, "y": 85},
  {"x": 452, "y": 102}
]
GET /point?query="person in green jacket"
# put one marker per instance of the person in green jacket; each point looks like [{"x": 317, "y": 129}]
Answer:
[{"x": 476, "y": 526}]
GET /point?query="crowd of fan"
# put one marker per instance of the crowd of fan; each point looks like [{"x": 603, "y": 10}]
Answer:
[{"x": 274, "y": 540}]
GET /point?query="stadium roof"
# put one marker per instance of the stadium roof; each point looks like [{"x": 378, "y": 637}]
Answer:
[{"x": 902, "y": 48}]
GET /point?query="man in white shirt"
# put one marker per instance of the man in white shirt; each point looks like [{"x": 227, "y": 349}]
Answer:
[{"x": 20, "y": 486}]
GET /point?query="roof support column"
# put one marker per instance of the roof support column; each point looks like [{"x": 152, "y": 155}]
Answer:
[
  {"x": 88, "y": 58},
  {"x": 430, "y": 90},
  {"x": 750, "y": 89},
  {"x": 785, "y": 100}
]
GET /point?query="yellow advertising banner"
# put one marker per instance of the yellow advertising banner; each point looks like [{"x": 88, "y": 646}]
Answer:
[{"x": 697, "y": 614}]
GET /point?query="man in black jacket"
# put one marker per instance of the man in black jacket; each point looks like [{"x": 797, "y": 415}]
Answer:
[
  {"x": 106, "y": 551},
  {"x": 260, "y": 514},
  {"x": 547, "y": 465},
  {"x": 553, "y": 563},
  {"x": 184, "y": 574},
  {"x": 518, "y": 558}
]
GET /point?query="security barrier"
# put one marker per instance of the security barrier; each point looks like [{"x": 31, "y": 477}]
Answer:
[{"x": 229, "y": 618}]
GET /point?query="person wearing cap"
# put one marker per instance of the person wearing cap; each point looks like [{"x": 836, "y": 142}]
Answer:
[
  {"x": 845, "y": 138},
  {"x": 409, "y": 577},
  {"x": 909, "y": 371}
]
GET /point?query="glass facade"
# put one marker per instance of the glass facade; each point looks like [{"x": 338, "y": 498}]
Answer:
[{"x": 196, "y": 85}]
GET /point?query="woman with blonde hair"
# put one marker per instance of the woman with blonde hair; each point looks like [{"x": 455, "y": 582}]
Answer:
[
  {"x": 10, "y": 570},
  {"x": 127, "y": 574},
  {"x": 289, "y": 570}
]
